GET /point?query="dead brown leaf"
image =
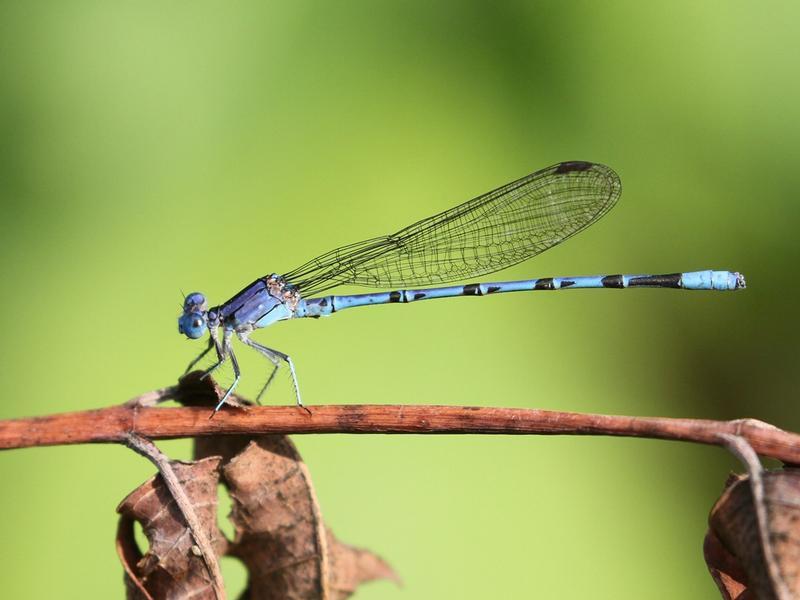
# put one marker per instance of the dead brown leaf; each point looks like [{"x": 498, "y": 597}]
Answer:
[
  {"x": 172, "y": 567},
  {"x": 350, "y": 567},
  {"x": 280, "y": 535},
  {"x": 733, "y": 550}
]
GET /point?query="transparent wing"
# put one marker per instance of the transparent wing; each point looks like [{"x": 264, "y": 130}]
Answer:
[{"x": 485, "y": 234}]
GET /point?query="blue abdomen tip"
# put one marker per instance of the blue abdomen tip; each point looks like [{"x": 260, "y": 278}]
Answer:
[
  {"x": 727, "y": 280},
  {"x": 713, "y": 280}
]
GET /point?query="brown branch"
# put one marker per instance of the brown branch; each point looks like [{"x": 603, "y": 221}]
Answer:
[{"x": 115, "y": 424}]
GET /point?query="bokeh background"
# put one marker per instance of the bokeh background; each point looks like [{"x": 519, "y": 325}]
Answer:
[{"x": 148, "y": 148}]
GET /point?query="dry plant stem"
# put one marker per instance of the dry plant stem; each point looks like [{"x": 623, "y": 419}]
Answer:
[
  {"x": 149, "y": 450},
  {"x": 153, "y": 398},
  {"x": 114, "y": 424},
  {"x": 739, "y": 447}
]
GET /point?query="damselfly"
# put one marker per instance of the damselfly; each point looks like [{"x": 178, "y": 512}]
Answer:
[{"x": 488, "y": 233}]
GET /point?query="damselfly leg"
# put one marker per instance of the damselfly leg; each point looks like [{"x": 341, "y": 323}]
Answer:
[{"x": 274, "y": 356}]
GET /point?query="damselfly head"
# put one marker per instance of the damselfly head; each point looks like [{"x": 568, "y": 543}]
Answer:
[{"x": 193, "y": 322}]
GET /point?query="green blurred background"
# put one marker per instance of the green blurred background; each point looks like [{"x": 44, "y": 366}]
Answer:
[{"x": 149, "y": 148}]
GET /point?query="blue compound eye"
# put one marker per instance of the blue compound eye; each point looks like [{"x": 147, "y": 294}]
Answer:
[
  {"x": 192, "y": 324},
  {"x": 194, "y": 301}
]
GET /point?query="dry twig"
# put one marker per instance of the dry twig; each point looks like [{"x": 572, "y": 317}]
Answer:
[{"x": 115, "y": 424}]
